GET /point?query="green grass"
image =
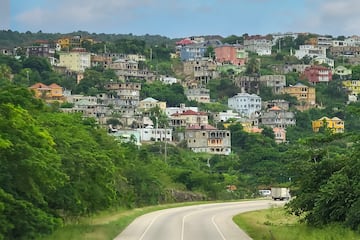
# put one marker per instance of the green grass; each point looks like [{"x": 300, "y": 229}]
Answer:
[
  {"x": 106, "y": 225},
  {"x": 275, "y": 224}
]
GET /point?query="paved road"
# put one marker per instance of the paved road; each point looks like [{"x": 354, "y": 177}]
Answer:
[{"x": 199, "y": 222}]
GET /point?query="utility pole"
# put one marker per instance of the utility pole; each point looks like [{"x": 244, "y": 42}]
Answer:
[
  {"x": 279, "y": 45},
  {"x": 165, "y": 152}
]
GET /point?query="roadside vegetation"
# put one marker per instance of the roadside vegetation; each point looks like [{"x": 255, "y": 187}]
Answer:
[{"x": 277, "y": 224}]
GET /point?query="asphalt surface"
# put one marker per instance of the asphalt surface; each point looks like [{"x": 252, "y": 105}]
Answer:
[{"x": 199, "y": 222}]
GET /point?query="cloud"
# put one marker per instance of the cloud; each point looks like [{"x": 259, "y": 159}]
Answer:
[{"x": 331, "y": 17}]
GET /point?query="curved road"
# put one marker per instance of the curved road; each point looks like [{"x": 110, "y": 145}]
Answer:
[{"x": 199, "y": 222}]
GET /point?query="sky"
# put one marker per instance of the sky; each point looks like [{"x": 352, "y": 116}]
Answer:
[{"x": 182, "y": 18}]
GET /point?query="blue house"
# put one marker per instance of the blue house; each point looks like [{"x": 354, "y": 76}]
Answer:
[{"x": 197, "y": 50}]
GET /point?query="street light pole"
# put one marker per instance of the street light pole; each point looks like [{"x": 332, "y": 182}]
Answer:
[
  {"x": 156, "y": 128},
  {"x": 165, "y": 152}
]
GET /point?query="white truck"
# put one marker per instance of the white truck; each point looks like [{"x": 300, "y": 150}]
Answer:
[{"x": 280, "y": 193}]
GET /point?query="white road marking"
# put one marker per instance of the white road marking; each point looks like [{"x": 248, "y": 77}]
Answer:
[
  {"x": 217, "y": 227},
  {"x": 149, "y": 226},
  {"x": 183, "y": 224}
]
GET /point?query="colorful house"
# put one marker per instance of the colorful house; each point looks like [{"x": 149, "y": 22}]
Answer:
[
  {"x": 49, "y": 93},
  {"x": 233, "y": 54},
  {"x": 352, "y": 86},
  {"x": 317, "y": 74},
  {"x": 280, "y": 135},
  {"x": 336, "y": 125},
  {"x": 76, "y": 60}
]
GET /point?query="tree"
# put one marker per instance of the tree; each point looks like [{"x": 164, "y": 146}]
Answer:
[
  {"x": 5, "y": 72},
  {"x": 355, "y": 72},
  {"x": 92, "y": 83},
  {"x": 129, "y": 46},
  {"x": 13, "y": 63},
  {"x": 39, "y": 64},
  {"x": 90, "y": 168},
  {"x": 222, "y": 88},
  {"x": 327, "y": 180},
  {"x": 210, "y": 52},
  {"x": 268, "y": 132},
  {"x": 158, "y": 117},
  {"x": 233, "y": 39},
  {"x": 252, "y": 67},
  {"x": 172, "y": 94},
  {"x": 306, "y": 59},
  {"x": 27, "y": 153}
]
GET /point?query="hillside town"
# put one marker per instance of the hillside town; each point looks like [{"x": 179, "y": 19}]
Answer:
[{"x": 128, "y": 117}]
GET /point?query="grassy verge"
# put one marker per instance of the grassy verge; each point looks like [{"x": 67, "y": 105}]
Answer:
[
  {"x": 275, "y": 224},
  {"x": 106, "y": 225}
]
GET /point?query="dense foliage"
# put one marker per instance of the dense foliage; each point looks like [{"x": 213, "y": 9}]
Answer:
[
  {"x": 57, "y": 166},
  {"x": 172, "y": 94},
  {"x": 325, "y": 171}
]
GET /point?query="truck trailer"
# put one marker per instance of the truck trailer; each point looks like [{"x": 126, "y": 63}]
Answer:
[{"x": 280, "y": 193}]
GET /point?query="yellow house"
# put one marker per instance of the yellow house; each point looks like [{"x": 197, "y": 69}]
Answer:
[
  {"x": 304, "y": 94},
  {"x": 353, "y": 86},
  {"x": 247, "y": 126},
  {"x": 336, "y": 125},
  {"x": 64, "y": 42},
  {"x": 76, "y": 60}
]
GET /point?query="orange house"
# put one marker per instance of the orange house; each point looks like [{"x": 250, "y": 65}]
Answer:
[{"x": 50, "y": 93}]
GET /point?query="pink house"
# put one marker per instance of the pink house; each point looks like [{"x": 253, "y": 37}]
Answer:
[
  {"x": 234, "y": 54},
  {"x": 317, "y": 74},
  {"x": 280, "y": 135}
]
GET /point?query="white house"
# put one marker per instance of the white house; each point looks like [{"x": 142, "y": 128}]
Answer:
[
  {"x": 352, "y": 41},
  {"x": 126, "y": 135},
  {"x": 310, "y": 51},
  {"x": 168, "y": 80},
  {"x": 224, "y": 116},
  {"x": 323, "y": 60},
  {"x": 260, "y": 44},
  {"x": 246, "y": 104},
  {"x": 155, "y": 134}
]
